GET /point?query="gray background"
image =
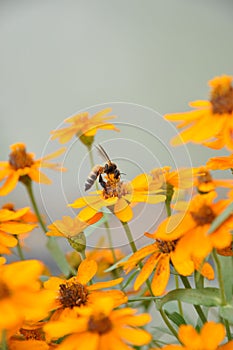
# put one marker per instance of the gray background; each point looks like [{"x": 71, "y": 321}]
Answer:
[{"x": 60, "y": 57}]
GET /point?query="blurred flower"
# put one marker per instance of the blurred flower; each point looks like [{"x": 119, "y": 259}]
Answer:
[
  {"x": 100, "y": 327},
  {"x": 209, "y": 338},
  {"x": 83, "y": 124},
  {"x": 228, "y": 251},
  {"x": 22, "y": 165},
  {"x": 21, "y": 296},
  {"x": 124, "y": 196},
  {"x": 191, "y": 226},
  {"x": 161, "y": 254},
  {"x": 211, "y": 119},
  {"x": 205, "y": 183},
  {"x": 220, "y": 163},
  {"x": 13, "y": 223},
  {"x": 76, "y": 292}
]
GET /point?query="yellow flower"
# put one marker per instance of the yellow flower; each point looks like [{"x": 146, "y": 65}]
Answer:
[
  {"x": 100, "y": 328},
  {"x": 211, "y": 120},
  {"x": 209, "y": 338},
  {"x": 22, "y": 164},
  {"x": 70, "y": 227},
  {"x": 161, "y": 254},
  {"x": 76, "y": 292},
  {"x": 191, "y": 226},
  {"x": 13, "y": 223},
  {"x": 83, "y": 124},
  {"x": 124, "y": 196},
  {"x": 21, "y": 297},
  {"x": 220, "y": 163}
]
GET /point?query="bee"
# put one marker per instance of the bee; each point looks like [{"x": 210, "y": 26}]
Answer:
[{"x": 110, "y": 170}]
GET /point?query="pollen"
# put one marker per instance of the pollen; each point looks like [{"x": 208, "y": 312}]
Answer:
[
  {"x": 33, "y": 334},
  {"x": 204, "y": 215},
  {"x": 99, "y": 324},
  {"x": 19, "y": 158},
  {"x": 72, "y": 295},
  {"x": 222, "y": 95},
  {"x": 166, "y": 247}
]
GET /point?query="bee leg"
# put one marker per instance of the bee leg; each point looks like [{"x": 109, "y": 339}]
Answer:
[{"x": 101, "y": 181}]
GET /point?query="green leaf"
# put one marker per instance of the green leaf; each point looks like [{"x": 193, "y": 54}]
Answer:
[
  {"x": 204, "y": 296},
  {"x": 129, "y": 280},
  {"x": 226, "y": 312},
  {"x": 116, "y": 265},
  {"x": 58, "y": 256},
  {"x": 227, "y": 273},
  {"x": 175, "y": 317},
  {"x": 221, "y": 218}
]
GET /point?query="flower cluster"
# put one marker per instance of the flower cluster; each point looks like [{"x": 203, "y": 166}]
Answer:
[{"x": 93, "y": 302}]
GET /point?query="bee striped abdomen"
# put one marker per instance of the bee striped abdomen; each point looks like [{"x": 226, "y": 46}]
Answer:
[{"x": 92, "y": 177}]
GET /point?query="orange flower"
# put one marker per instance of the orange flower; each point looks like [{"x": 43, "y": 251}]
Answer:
[
  {"x": 125, "y": 195},
  {"x": 84, "y": 125},
  {"x": 209, "y": 338},
  {"x": 21, "y": 297},
  {"x": 13, "y": 223},
  {"x": 76, "y": 292},
  {"x": 22, "y": 164},
  {"x": 100, "y": 328},
  {"x": 191, "y": 226},
  {"x": 211, "y": 119},
  {"x": 205, "y": 183},
  {"x": 161, "y": 254},
  {"x": 220, "y": 163}
]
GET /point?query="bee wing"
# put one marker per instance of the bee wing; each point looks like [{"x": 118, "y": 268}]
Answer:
[{"x": 103, "y": 153}]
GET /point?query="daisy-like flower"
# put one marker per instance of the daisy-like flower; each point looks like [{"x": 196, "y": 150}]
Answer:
[
  {"x": 84, "y": 125},
  {"x": 211, "y": 120},
  {"x": 75, "y": 292},
  {"x": 205, "y": 182},
  {"x": 100, "y": 328},
  {"x": 13, "y": 223},
  {"x": 72, "y": 229},
  {"x": 209, "y": 338},
  {"x": 121, "y": 200},
  {"x": 159, "y": 255},
  {"x": 191, "y": 226},
  {"x": 220, "y": 163},
  {"x": 21, "y": 296},
  {"x": 22, "y": 165}
]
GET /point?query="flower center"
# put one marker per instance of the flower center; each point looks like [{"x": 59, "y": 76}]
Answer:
[
  {"x": 19, "y": 158},
  {"x": 204, "y": 216},
  {"x": 73, "y": 295},
  {"x": 115, "y": 188},
  {"x": 99, "y": 324},
  {"x": 4, "y": 290},
  {"x": 33, "y": 334},
  {"x": 222, "y": 99},
  {"x": 166, "y": 247}
]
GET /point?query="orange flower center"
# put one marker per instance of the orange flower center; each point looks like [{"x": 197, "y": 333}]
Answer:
[
  {"x": 204, "y": 216},
  {"x": 4, "y": 290},
  {"x": 20, "y": 159},
  {"x": 166, "y": 247},
  {"x": 99, "y": 324},
  {"x": 33, "y": 334},
  {"x": 73, "y": 295},
  {"x": 222, "y": 99}
]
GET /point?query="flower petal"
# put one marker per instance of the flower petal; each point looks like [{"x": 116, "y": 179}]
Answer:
[
  {"x": 9, "y": 184},
  {"x": 123, "y": 211},
  {"x": 146, "y": 270},
  {"x": 161, "y": 276},
  {"x": 135, "y": 336},
  {"x": 87, "y": 269}
]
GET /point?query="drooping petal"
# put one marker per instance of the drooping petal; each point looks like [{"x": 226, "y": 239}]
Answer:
[
  {"x": 161, "y": 276},
  {"x": 9, "y": 184},
  {"x": 87, "y": 269},
  {"x": 147, "y": 269},
  {"x": 38, "y": 176}
]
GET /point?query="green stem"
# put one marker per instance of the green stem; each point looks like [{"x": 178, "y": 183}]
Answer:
[
  {"x": 168, "y": 207},
  {"x": 28, "y": 185},
  {"x": 222, "y": 290},
  {"x": 178, "y": 301},
  {"x": 196, "y": 307},
  {"x": 19, "y": 249},
  {"x": 134, "y": 249},
  {"x": 4, "y": 341},
  {"x": 220, "y": 278}
]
